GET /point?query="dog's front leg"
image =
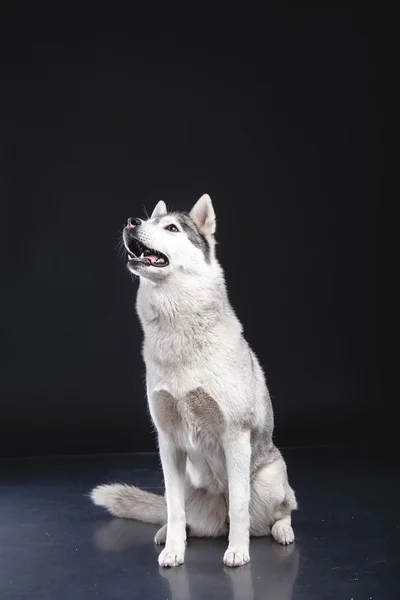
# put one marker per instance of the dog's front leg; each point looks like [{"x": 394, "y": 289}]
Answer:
[
  {"x": 238, "y": 454},
  {"x": 173, "y": 463}
]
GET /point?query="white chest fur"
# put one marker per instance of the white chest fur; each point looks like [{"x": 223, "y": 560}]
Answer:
[{"x": 196, "y": 424}]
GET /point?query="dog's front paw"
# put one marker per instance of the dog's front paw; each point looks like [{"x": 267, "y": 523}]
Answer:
[
  {"x": 171, "y": 556},
  {"x": 236, "y": 556}
]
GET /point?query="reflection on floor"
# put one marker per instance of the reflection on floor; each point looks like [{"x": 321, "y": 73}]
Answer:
[{"x": 54, "y": 545}]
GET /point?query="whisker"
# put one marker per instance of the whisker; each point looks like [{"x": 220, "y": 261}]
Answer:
[{"x": 120, "y": 246}]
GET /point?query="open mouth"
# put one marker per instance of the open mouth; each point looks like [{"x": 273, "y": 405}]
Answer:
[{"x": 141, "y": 254}]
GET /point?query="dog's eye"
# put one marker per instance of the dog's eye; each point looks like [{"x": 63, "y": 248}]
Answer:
[{"x": 171, "y": 228}]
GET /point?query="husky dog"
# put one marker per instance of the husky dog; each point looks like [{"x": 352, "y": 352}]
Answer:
[{"x": 207, "y": 397}]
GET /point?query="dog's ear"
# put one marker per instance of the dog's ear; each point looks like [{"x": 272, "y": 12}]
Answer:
[
  {"x": 160, "y": 210},
  {"x": 203, "y": 215}
]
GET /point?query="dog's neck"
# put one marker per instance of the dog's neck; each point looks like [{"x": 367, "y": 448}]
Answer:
[
  {"x": 180, "y": 297},
  {"x": 183, "y": 314}
]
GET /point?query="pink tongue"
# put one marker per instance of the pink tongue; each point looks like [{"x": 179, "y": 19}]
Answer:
[{"x": 152, "y": 258}]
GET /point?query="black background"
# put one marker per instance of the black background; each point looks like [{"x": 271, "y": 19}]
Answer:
[{"x": 278, "y": 117}]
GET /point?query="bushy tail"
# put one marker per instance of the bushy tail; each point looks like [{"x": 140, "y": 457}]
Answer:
[{"x": 131, "y": 502}]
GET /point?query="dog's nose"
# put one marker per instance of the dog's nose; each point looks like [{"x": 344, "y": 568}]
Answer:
[{"x": 131, "y": 223}]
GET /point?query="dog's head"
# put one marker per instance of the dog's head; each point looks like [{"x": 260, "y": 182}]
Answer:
[{"x": 168, "y": 243}]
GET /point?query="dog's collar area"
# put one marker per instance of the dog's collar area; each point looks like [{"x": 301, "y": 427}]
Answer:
[{"x": 139, "y": 253}]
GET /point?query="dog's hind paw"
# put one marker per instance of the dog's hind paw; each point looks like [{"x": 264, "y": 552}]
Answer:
[
  {"x": 283, "y": 532},
  {"x": 161, "y": 536}
]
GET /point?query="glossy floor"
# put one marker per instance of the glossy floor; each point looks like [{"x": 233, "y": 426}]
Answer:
[{"x": 54, "y": 545}]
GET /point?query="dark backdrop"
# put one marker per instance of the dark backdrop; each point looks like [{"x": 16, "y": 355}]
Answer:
[{"x": 278, "y": 119}]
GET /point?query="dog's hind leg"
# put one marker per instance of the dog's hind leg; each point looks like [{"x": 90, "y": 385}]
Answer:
[
  {"x": 282, "y": 530},
  {"x": 206, "y": 514},
  {"x": 271, "y": 504}
]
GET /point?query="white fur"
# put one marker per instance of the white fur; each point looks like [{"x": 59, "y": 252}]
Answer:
[{"x": 192, "y": 340}]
